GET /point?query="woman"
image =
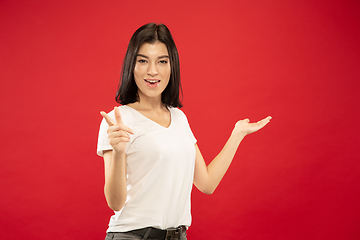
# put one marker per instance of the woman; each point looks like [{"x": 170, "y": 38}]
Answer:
[{"x": 150, "y": 154}]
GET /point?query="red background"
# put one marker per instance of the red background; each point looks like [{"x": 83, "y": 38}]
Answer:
[{"x": 298, "y": 61}]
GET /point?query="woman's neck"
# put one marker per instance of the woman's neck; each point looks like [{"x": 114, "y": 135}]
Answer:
[{"x": 146, "y": 103}]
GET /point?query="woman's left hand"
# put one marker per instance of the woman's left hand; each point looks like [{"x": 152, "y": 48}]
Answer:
[{"x": 245, "y": 127}]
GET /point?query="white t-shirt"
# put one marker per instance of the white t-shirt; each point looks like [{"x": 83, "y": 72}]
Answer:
[{"x": 160, "y": 171}]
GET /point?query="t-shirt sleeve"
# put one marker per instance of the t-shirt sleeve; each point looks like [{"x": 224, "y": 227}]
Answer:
[
  {"x": 192, "y": 136},
  {"x": 188, "y": 127},
  {"x": 103, "y": 143}
]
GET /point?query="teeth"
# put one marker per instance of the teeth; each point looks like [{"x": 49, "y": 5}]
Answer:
[{"x": 151, "y": 81}]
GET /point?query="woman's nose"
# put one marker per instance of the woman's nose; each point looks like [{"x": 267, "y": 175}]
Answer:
[{"x": 152, "y": 69}]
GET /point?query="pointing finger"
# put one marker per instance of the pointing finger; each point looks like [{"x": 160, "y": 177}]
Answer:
[
  {"x": 119, "y": 120},
  {"x": 126, "y": 129},
  {"x": 117, "y": 115},
  {"x": 107, "y": 118}
]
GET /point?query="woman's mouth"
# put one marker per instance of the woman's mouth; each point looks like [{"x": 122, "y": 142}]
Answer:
[{"x": 152, "y": 83}]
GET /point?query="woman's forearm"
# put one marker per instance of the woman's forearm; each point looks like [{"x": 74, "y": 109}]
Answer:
[
  {"x": 207, "y": 178},
  {"x": 115, "y": 188},
  {"x": 220, "y": 164}
]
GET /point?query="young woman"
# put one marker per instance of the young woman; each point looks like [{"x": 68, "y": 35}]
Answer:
[{"x": 150, "y": 153}]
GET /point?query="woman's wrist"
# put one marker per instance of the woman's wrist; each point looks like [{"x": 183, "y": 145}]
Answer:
[
  {"x": 238, "y": 134},
  {"x": 117, "y": 154}
]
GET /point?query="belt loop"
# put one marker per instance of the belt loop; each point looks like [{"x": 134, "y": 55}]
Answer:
[
  {"x": 147, "y": 233},
  {"x": 110, "y": 235}
]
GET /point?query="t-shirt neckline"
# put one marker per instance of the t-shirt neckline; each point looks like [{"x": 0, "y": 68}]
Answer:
[{"x": 171, "y": 117}]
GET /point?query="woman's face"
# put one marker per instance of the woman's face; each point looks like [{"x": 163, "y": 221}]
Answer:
[{"x": 152, "y": 70}]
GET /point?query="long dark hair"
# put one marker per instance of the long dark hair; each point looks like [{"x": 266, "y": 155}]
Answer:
[{"x": 127, "y": 89}]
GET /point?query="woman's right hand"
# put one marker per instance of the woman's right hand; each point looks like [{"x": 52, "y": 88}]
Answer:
[{"x": 118, "y": 133}]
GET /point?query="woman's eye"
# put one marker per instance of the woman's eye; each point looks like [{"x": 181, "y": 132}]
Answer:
[
  {"x": 163, "y": 61},
  {"x": 142, "y": 61}
]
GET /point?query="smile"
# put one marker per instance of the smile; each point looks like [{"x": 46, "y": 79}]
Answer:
[{"x": 152, "y": 82}]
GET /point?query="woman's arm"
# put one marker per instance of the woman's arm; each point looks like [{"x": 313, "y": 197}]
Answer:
[
  {"x": 207, "y": 178},
  {"x": 115, "y": 188}
]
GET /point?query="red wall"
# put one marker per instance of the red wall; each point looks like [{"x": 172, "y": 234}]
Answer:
[{"x": 295, "y": 60}]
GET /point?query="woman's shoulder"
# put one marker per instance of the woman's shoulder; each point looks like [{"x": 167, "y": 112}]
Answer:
[
  {"x": 125, "y": 112},
  {"x": 122, "y": 108},
  {"x": 176, "y": 112}
]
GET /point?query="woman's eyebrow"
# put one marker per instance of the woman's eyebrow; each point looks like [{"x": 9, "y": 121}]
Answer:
[{"x": 162, "y": 56}]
